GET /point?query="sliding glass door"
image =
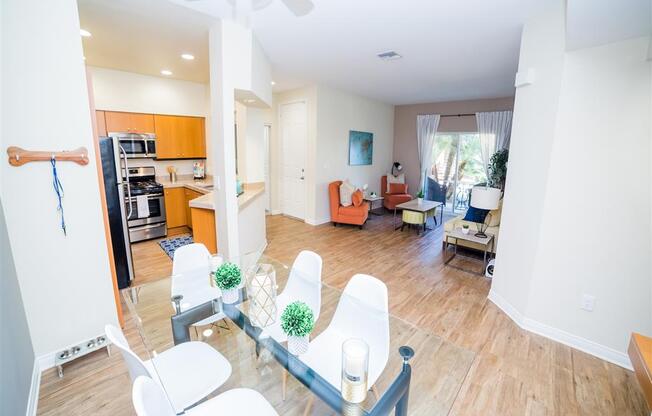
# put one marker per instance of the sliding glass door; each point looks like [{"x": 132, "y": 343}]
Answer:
[{"x": 457, "y": 166}]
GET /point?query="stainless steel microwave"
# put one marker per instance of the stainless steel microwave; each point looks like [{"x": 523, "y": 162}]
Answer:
[{"x": 137, "y": 145}]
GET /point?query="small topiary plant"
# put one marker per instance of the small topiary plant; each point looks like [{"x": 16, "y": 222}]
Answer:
[
  {"x": 228, "y": 276},
  {"x": 420, "y": 194},
  {"x": 297, "y": 319}
]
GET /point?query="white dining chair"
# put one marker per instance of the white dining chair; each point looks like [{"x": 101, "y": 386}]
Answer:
[
  {"x": 304, "y": 284},
  {"x": 362, "y": 312},
  {"x": 188, "y": 372},
  {"x": 150, "y": 400},
  {"x": 191, "y": 268}
]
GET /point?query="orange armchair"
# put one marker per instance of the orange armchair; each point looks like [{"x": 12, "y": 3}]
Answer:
[
  {"x": 392, "y": 200},
  {"x": 345, "y": 215}
]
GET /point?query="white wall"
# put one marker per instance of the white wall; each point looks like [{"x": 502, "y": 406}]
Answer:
[
  {"x": 65, "y": 281},
  {"x": 601, "y": 150},
  {"x": 127, "y": 91},
  {"x": 535, "y": 111},
  {"x": 331, "y": 114},
  {"x": 576, "y": 216},
  {"x": 338, "y": 112}
]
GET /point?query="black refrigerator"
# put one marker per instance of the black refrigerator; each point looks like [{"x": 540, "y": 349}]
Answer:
[{"x": 115, "y": 200}]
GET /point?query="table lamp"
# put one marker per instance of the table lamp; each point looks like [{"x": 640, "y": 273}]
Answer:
[{"x": 483, "y": 197}]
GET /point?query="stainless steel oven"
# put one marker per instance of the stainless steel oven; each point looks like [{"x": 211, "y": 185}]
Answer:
[
  {"x": 137, "y": 145},
  {"x": 149, "y": 221}
]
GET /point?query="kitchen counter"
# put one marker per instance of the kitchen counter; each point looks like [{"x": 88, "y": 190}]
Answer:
[{"x": 205, "y": 186}]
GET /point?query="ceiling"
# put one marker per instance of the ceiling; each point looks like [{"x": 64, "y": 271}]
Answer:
[
  {"x": 451, "y": 50},
  {"x": 597, "y": 22},
  {"x": 146, "y": 36}
]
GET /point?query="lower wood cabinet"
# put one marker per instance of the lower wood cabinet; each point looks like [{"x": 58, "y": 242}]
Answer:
[
  {"x": 204, "y": 231},
  {"x": 175, "y": 207},
  {"x": 190, "y": 195}
]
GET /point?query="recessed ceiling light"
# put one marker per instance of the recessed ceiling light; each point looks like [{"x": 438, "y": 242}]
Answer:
[
  {"x": 187, "y": 56},
  {"x": 273, "y": 83},
  {"x": 389, "y": 55},
  {"x": 166, "y": 72},
  {"x": 85, "y": 33}
]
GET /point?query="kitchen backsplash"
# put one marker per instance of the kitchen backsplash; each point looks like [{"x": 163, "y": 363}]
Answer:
[{"x": 184, "y": 167}]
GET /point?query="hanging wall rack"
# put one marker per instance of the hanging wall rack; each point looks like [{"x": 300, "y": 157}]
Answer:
[{"x": 18, "y": 156}]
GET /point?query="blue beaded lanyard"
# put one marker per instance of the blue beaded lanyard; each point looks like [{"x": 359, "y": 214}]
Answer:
[{"x": 58, "y": 189}]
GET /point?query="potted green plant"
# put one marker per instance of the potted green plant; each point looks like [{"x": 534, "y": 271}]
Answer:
[
  {"x": 420, "y": 197},
  {"x": 228, "y": 277},
  {"x": 297, "y": 321},
  {"x": 465, "y": 228},
  {"x": 498, "y": 169}
]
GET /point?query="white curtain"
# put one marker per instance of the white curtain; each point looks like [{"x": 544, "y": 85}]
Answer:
[
  {"x": 495, "y": 130},
  {"x": 426, "y": 130}
]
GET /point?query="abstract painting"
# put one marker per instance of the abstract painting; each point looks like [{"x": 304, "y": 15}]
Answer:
[{"x": 361, "y": 148}]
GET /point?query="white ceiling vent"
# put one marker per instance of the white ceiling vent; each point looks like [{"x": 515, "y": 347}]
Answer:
[{"x": 389, "y": 55}]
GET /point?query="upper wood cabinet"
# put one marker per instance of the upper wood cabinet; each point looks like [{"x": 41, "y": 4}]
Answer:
[
  {"x": 101, "y": 123},
  {"x": 180, "y": 137},
  {"x": 119, "y": 122}
]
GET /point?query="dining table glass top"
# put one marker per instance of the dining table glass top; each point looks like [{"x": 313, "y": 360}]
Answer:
[{"x": 257, "y": 349}]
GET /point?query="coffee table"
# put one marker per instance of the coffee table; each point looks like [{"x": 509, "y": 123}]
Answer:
[
  {"x": 456, "y": 235},
  {"x": 371, "y": 199},
  {"x": 422, "y": 207}
]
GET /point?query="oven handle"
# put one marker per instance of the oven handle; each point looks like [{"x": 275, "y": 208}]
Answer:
[
  {"x": 149, "y": 196},
  {"x": 127, "y": 179}
]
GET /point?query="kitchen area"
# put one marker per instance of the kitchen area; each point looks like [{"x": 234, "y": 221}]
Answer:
[{"x": 160, "y": 192}]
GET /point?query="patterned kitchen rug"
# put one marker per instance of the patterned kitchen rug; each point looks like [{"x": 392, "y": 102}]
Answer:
[{"x": 171, "y": 244}]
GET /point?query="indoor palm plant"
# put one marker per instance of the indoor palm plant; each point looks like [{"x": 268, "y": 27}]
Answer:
[
  {"x": 228, "y": 278},
  {"x": 297, "y": 321}
]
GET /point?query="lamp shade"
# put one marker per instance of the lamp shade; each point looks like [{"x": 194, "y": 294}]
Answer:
[{"x": 485, "y": 198}]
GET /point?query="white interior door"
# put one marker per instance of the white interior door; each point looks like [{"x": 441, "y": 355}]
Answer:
[{"x": 294, "y": 135}]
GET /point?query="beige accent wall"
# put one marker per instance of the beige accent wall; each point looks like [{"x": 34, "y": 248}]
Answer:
[{"x": 405, "y": 128}]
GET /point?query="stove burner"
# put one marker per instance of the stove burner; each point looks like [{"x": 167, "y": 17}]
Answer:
[{"x": 145, "y": 187}]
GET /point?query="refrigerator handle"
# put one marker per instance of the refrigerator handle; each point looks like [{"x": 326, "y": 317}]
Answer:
[{"x": 124, "y": 155}]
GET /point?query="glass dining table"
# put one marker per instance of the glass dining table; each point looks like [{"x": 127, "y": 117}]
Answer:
[{"x": 259, "y": 361}]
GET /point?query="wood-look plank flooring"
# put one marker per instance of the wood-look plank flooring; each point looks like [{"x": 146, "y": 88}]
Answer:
[{"x": 513, "y": 372}]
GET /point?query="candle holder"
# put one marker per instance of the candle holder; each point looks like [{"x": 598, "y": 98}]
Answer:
[
  {"x": 355, "y": 370},
  {"x": 261, "y": 289}
]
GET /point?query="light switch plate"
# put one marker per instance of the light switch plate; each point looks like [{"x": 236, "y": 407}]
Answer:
[{"x": 588, "y": 302}]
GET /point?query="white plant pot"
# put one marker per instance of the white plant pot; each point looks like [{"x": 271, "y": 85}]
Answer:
[
  {"x": 419, "y": 201},
  {"x": 298, "y": 345},
  {"x": 230, "y": 296},
  {"x": 465, "y": 230}
]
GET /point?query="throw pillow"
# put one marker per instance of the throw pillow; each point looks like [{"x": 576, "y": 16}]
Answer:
[
  {"x": 494, "y": 219},
  {"x": 475, "y": 215},
  {"x": 394, "y": 179},
  {"x": 357, "y": 198},
  {"x": 397, "y": 188},
  {"x": 346, "y": 189}
]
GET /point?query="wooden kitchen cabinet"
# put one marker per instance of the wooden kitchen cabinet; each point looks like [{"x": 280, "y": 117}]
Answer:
[
  {"x": 190, "y": 195},
  {"x": 180, "y": 137},
  {"x": 120, "y": 122},
  {"x": 101, "y": 123},
  {"x": 175, "y": 207}
]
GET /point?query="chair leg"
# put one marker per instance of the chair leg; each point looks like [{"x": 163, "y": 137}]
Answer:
[
  {"x": 334, "y": 224},
  {"x": 361, "y": 226},
  {"x": 285, "y": 383},
  {"x": 375, "y": 392},
  {"x": 311, "y": 400}
]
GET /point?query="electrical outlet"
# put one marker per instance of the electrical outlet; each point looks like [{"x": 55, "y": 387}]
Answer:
[{"x": 588, "y": 302}]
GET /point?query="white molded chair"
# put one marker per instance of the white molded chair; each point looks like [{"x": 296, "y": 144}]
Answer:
[
  {"x": 188, "y": 372},
  {"x": 304, "y": 284},
  {"x": 149, "y": 400},
  {"x": 362, "y": 312},
  {"x": 191, "y": 269}
]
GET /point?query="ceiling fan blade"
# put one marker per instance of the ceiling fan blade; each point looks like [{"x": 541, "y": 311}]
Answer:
[{"x": 299, "y": 7}]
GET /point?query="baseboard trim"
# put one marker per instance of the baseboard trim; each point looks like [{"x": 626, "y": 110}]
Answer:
[
  {"x": 574, "y": 341},
  {"x": 32, "y": 401},
  {"x": 311, "y": 221}
]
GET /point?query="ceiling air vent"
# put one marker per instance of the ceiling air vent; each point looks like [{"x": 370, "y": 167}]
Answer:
[{"x": 389, "y": 56}]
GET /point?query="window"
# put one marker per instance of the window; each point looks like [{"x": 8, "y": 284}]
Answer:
[{"x": 458, "y": 166}]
